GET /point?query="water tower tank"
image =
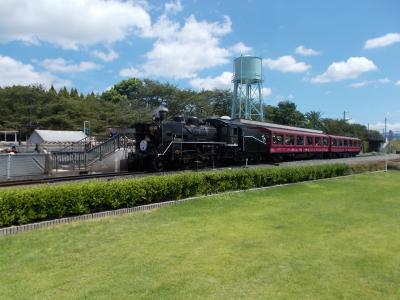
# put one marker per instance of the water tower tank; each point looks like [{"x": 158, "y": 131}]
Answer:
[{"x": 248, "y": 69}]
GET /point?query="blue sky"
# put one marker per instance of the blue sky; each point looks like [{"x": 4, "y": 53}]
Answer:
[{"x": 328, "y": 56}]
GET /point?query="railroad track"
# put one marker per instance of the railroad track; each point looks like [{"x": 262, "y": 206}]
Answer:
[{"x": 66, "y": 178}]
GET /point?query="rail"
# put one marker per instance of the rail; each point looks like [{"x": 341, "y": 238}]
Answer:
[{"x": 48, "y": 180}]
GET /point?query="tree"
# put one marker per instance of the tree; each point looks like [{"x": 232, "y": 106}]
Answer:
[
  {"x": 113, "y": 96},
  {"x": 156, "y": 93},
  {"x": 220, "y": 102},
  {"x": 132, "y": 88},
  {"x": 63, "y": 92},
  {"x": 52, "y": 91},
  {"x": 314, "y": 120},
  {"x": 285, "y": 113},
  {"x": 74, "y": 93}
]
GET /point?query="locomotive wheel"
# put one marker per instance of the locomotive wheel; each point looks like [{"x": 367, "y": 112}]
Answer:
[{"x": 157, "y": 164}]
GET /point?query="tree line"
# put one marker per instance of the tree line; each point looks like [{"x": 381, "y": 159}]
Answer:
[{"x": 25, "y": 108}]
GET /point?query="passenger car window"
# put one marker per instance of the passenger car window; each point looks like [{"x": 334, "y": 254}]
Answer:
[
  {"x": 334, "y": 142},
  {"x": 351, "y": 143},
  {"x": 345, "y": 142},
  {"x": 300, "y": 140},
  {"x": 277, "y": 139},
  {"x": 318, "y": 141},
  {"x": 340, "y": 142},
  {"x": 289, "y": 140},
  {"x": 325, "y": 141},
  {"x": 309, "y": 140}
]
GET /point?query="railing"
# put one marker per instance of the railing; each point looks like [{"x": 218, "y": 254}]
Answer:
[
  {"x": 85, "y": 152},
  {"x": 102, "y": 149},
  {"x": 69, "y": 160}
]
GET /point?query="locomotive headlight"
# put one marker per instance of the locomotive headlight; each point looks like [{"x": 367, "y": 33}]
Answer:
[{"x": 143, "y": 145}]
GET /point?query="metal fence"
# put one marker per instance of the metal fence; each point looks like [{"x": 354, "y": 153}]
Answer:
[{"x": 23, "y": 165}]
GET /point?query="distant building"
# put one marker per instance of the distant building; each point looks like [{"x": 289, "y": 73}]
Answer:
[
  {"x": 55, "y": 137},
  {"x": 8, "y": 137}
]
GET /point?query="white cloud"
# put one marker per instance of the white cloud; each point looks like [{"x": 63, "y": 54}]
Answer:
[
  {"x": 381, "y": 125},
  {"x": 306, "y": 51},
  {"x": 343, "y": 70},
  {"x": 286, "y": 64},
  {"x": 60, "y": 65},
  {"x": 130, "y": 72},
  {"x": 398, "y": 83},
  {"x": 14, "y": 72},
  {"x": 266, "y": 91},
  {"x": 357, "y": 85},
  {"x": 382, "y": 41},
  {"x": 71, "y": 23},
  {"x": 223, "y": 81},
  {"x": 369, "y": 82},
  {"x": 384, "y": 80},
  {"x": 110, "y": 56},
  {"x": 173, "y": 7},
  {"x": 240, "y": 48},
  {"x": 182, "y": 51}
]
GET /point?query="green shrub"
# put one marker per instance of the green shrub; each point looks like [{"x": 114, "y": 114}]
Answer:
[
  {"x": 355, "y": 168},
  {"x": 20, "y": 206},
  {"x": 394, "y": 165}
]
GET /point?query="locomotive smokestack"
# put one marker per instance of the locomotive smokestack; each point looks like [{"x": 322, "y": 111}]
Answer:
[{"x": 160, "y": 113}]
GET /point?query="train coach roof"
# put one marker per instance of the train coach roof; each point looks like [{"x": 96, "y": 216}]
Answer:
[
  {"x": 273, "y": 126},
  {"x": 295, "y": 132},
  {"x": 343, "y": 137}
]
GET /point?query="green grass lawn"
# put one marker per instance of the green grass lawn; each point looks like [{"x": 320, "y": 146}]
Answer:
[{"x": 332, "y": 239}]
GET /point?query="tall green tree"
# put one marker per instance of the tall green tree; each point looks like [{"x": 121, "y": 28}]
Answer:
[
  {"x": 63, "y": 92},
  {"x": 156, "y": 93},
  {"x": 285, "y": 113},
  {"x": 74, "y": 93},
  {"x": 314, "y": 120},
  {"x": 52, "y": 91}
]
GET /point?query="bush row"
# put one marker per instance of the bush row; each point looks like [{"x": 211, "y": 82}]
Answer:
[
  {"x": 20, "y": 206},
  {"x": 394, "y": 165},
  {"x": 361, "y": 167}
]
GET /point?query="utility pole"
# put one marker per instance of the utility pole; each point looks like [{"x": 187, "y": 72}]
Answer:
[
  {"x": 385, "y": 128},
  {"x": 344, "y": 116}
]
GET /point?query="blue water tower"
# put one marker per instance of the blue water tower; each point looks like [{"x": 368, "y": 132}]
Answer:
[{"x": 247, "y": 93}]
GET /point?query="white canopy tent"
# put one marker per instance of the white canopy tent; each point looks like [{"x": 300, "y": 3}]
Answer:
[{"x": 55, "y": 137}]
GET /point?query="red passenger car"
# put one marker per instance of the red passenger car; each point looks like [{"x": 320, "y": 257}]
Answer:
[
  {"x": 341, "y": 146},
  {"x": 294, "y": 142}
]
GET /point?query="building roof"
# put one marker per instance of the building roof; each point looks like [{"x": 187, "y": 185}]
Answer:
[{"x": 55, "y": 136}]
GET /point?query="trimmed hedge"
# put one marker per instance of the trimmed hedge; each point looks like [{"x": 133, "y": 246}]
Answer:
[
  {"x": 20, "y": 206},
  {"x": 361, "y": 167}
]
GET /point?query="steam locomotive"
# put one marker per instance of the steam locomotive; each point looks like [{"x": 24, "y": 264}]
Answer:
[{"x": 193, "y": 143}]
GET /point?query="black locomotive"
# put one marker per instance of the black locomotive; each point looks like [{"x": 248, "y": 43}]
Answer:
[{"x": 193, "y": 143}]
